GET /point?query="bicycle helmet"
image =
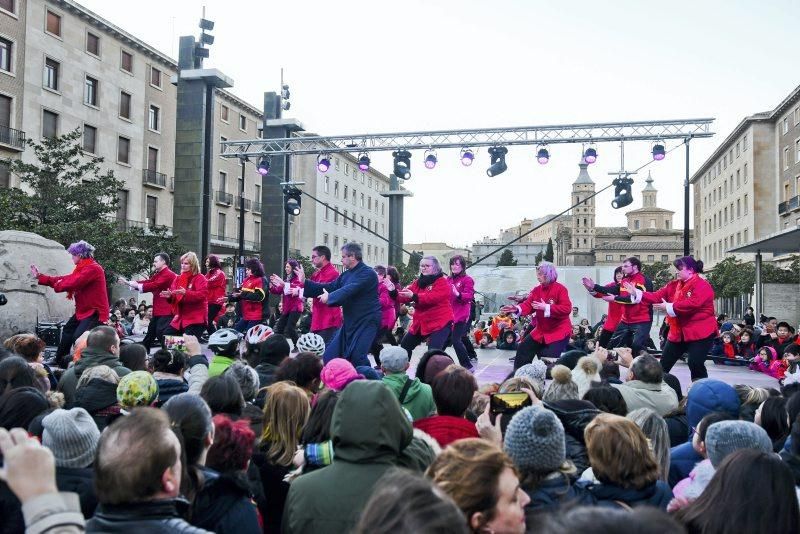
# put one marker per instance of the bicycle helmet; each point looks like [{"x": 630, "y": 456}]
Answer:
[
  {"x": 257, "y": 334},
  {"x": 311, "y": 342},
  {"x": 225, "y": 342}
]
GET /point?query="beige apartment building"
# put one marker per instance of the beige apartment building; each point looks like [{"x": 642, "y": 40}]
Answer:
[{"x": 749, "y": 187}]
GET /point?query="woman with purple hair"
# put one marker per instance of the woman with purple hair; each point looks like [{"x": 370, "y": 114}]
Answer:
[
  {"x": 549, "y": 303},
  {"x": 251, "y": 295},
  {"x": 87, "y": 286},
  {"x": 291, "y": 301}
]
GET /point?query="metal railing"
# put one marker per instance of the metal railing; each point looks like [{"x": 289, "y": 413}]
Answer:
[
  {"x": 13, "y": 138},
  {"x": 256, "y": 206},
  {"x": 151, "y": 177},
  {"x": 789, "y": 205},
  {"x": 247, "y": 203},
  {"x": 224, "y": 198}
]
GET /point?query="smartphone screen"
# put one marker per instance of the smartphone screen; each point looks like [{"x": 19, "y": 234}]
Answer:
[
  {"x": 174, "y": 342},
  {"x": 500, "y": 403}
]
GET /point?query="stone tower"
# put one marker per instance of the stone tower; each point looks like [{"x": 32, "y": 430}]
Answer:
[
  {"x": 581, "y": 251},
  {"x": 649, "y": 193}
]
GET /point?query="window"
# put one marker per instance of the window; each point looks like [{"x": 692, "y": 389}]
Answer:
[
  {"x": 49, "y": 124},
  {"x": 327, "y": 213},
  {"x": 90, "y": 94},
  {"x": 745, "y": 235},
  {"x": 651, "y": 257},
  {"x": 327, "y": 184},
  {"x": 362, "y": 223},
  {"x": 222, "y": 139},
  {"x": 5, "y": 175},
  {"x": 665, "y": 258},
  {"x": 5, "y": 114},
  {"x": 362, "y": 200},
  {"x": 123, "y": 150},
  {"x": 258, "y": 193},
  {"x": 89, "y": 139},
  {"x": 726, "y": 215},
  {"x": 797, "y": 151},
  {"x": 666, "y": 224},
  {"x": 345, "y": 192},
  {"x": 652, "y": 223},
  {"x": 738, "y": 152},
  {"x": 154, "y": 118},
  {"x": 7, "y": 5},
  {"x": 122, "y": 205},
  {"x": 325, "y": 239},
  {"x": 636, "y": 224},
  {"x": 124, "y": 105},
  {"x": 344, "y": 219},
  {"x": 93, "y": 44},
  {"x": 6, "y": 54},
  {"x": 744, "y": 172},
  {"x": 369, "y": 203},
  {"x": 243, "y": 123},
  {"x": 126, "y": 62},
  {"x": 336, "y": 189},
  {"x": 369, "y": 250},
  {"x": 223, "y": 113},
  {"x": 221, "y": 223},
  {"x": 336, "y": 241},
  {"x": 785, "y": 158},
  {"x": 335, "y": 215},
  {"x": 746, "y": 209},
  {"x": 222, "y": 185},
  {"x": 152, "y": 210},
  {"x": 155, "y": 77},
  {"x": 152, "y": 159},
  {"x": 53, "y": 24},
  {"x": 785, "y": 125},
  {"x": 609, "y": 257},
  {"x": 738, "y": 207},
  {"x": 52, "y": 70}
]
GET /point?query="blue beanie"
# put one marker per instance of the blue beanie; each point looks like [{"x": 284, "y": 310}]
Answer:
[{"x": 709, "y": 395}]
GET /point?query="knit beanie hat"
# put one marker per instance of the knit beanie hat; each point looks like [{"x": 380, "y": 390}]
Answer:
[
  {"x": 562, "y": 387},
  {"x": 436, "y": 364},
  {"x": 138, "y": 388},
  {"x": 536, "y": 371},
  {"x": 72, "y": 436},
  {"x": 337, "y": 373},
  {"x": 726, "y": 437},
  {"x": 535, "y": 440},
  {"x": 586, "y": 371}
]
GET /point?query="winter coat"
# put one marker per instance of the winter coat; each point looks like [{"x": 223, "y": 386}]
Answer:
[
  {"x": 322, "y": 315},
  {"x": 658, "y": 397},
  {"x": 574, "y": 415},
  {"x": 153, "y": 517},
  {"x": 793, "y": 462},
  {"x": 168, "y": 387},
  {"x": 266, "y": 374},
  {"x": 657, "y": 494},
  {"x": 99, "y": 398},
  {"x": 223, "y": 505},
  {"x": 693, "y": 311},
  {"x": 275, "y": 490},
  {"x": 252, "y": 298},
  {"x": 446, "y": 429},
  {"x": 633, "y": 312},
  {"x": 614, "y": 314},
  {"x": 219, "y": 364},
  {"x": 88, "y": 287},
  {"x": 553, "y": 323},
  {"x": 192, "y": 307},
  {"x": 553, "y": 492},
  {"x": 724, "y": 350},
  {"x": 81, "y": 481},
  {"x": 388, "y": 314},
  {"x": 419, "y": 398},
  {"x": 466, "y": 292},
  {"x": 331, "y": 500},
  {"x": 217, "y": 284},
  {"x": 160, "y": 281},
  {"x": 90, "y": 357},
  {"x": 678, "y": 429},
  {"x": 432, "y": 309},
  {"x": 289, "y": 303}
]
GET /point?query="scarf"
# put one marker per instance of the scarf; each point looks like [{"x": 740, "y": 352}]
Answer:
[
  {"x": 81, "y": 265},
  {"x": 683, "y": 287},
  {"x": 183, "y": 282},
  {"x": 425, "y": 280}
]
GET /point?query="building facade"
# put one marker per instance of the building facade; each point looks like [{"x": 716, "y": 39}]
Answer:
[{"x": 442, "y": 251}]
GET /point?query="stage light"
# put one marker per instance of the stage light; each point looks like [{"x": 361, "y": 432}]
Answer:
[
  {"x": 590, "y": 155},
  {"x": 402, "y": 164},
  {"x": 430, "y": 159},
  {"x": 291, "y": 200},
  {"x": 622, "y": 192},
  {"x": 363, "y": 162},
  {"x": 659, "y": 152},
  {"x": 543, "y": 155},
  {"x": 466, "y": 157},
  {"x": 323, "y": 163},
  {"x": 263, "y": 166},
  {"x": 498, "y": 159}
]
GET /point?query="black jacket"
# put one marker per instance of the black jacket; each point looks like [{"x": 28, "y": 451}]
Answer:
[
  {"x": 275, "y": 490},
  {"x": 223, "y": 505},
  {"x": 657, "y": 494},
  {"x": 168, "y": 388},
  {"x": 153, "y": 517},
  {"x": 794, "y": 464},
  {"x": 81, "y": 481},
  {"x": 575, "y": 415},
  {"x": 99, "y": 398},
  {"x": 552, "y": 493}
]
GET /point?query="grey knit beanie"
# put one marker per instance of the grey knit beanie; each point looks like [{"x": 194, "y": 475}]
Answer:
[
  {"x": 726, "y": 437},
  {"x": 72, "y": 436},
  {"x": 535, "y": 440},
  {"x": 536, "y": 371}
]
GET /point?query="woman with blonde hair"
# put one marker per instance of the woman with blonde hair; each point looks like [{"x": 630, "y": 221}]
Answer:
[
  {"x": 286, "y": 412},
  {"x": 188, "y": 295}
]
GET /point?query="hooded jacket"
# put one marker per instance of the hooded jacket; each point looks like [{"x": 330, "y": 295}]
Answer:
[
  {"x": 419, "y": 398},
  {"x": 90, "y": 357},
  {"x": 657, "y": 494},
  {"x": 99, "y": 398},
  {"x": 369, "y": 433},
  {"x": 575, "y": 415},
  {"x": 223, "y": 505},
  {"x": 446, "y": 429},
  {"x": 153, "y": 517}
]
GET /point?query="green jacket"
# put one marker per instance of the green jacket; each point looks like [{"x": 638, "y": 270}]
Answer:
[
  {"x": 369, "y": 432},
  {"x": 90, "y": 357},
  {"x": 219, "y": 364},
  {"x": 419, "y": 399}
]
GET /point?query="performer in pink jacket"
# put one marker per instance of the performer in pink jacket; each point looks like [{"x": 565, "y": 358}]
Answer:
[{"x": 388, "y": 314}]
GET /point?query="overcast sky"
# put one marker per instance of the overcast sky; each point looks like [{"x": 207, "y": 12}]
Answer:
[{"x": 372, "y": 67}]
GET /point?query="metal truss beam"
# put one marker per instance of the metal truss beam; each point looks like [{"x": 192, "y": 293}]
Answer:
[{"x": 659, "y": 130}]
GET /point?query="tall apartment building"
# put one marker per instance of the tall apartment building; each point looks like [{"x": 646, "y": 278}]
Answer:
[{"x": 749, "y": 187}]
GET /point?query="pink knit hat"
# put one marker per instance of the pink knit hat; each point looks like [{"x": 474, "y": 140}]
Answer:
[{"x": 337, "y": 373}]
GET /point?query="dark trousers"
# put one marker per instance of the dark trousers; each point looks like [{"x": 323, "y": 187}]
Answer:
[
  {"x": 354, "y": 345},
  {"x": 213, "y": 310},
  {"x": 384, "y": 336},
  {"x": 327, "y": 334},
  {"x": 72, "y": 330},
  {"x": 697, "y": 352},
  {"x": 436, "y": 340},
  {"x": 287, "y": 325},
  {"x": 529, "y": 348},
  {"x": 639, "y": 331},
  {"x": 243, "y": 325},
  {"x": 605, "y": 337},
  {"x": 155, "y": 330},
  {"x": 457, "y": 338},
  {"x": 195, "y": 330}
]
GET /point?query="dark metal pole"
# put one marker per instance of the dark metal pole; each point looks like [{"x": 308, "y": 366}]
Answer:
[
  {"x": 241, "y": 215},
  {"x": 686, "y": 251}
]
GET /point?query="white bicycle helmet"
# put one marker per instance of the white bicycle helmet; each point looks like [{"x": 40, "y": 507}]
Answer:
[
  {"x": 257, "y": 334},
  {"x": 311, "y": 342},
  {"x": 225, "y": 342}
]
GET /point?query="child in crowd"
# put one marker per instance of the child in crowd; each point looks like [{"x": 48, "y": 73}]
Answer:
[
  {"x": 746, "y": 346},
  {"x": 508, "y": 341},
  {"x": 229, "y": 318},
  {"x": 763, "y": 360},
  {"x": 725, "y": 346}
]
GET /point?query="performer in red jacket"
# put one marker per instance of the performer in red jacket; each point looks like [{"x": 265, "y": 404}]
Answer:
[
  {"x": 87, "y": 286},
  {"x": 549, "y": 302},
  {"x": 689, "y": 305},
  {"x": 217, "y": 286},
  {"x": 614, "y": 313},
  {"x": 463, "y": 291},
  {"x": 251, "y": 295},
  {"x": 188, "y": 295},
  {"x": 325, "y": 320},
  {"x": 433, "y": 313},
  {"x": 162, "y": 310}
]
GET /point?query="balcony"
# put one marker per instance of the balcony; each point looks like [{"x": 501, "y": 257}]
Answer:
[
  {"x": 256, "y": 206},
  {"x": 247, "y": 203},
  {"x": 226, "y": 199},
  {"x": 127, "y": 224},
  {"x": 12, "y": 138},
  {"x": 790, "y": 205},
  {"x": 154, "y": 179}
]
